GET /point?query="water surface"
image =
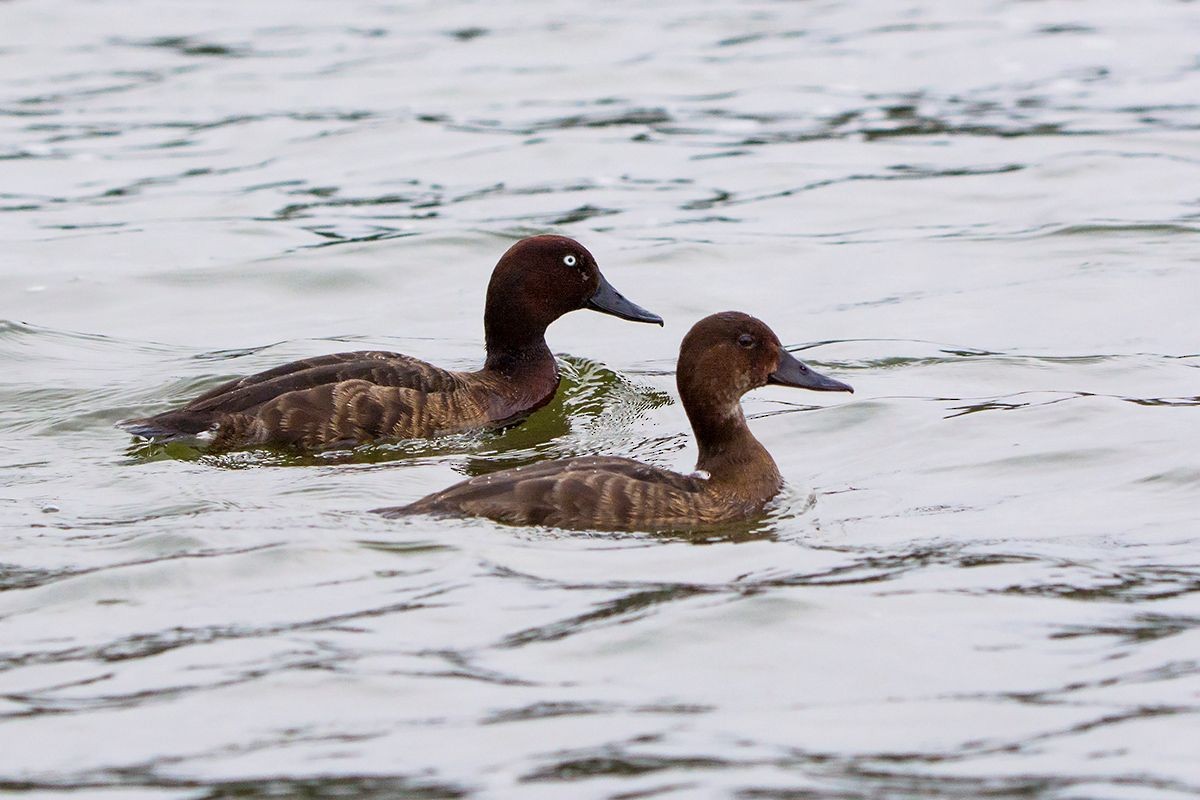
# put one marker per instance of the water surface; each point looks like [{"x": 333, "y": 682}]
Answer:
[{"x": 982, "y": 580}]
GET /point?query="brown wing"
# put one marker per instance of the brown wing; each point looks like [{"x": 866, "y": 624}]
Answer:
[
  {"x": 383, "y": 369},
  {"x": 351, "y": 412},
  {"x": 296, "y": 366},
  {"x": 303, "y": 397},
  {"x": 590, "y": 493}
]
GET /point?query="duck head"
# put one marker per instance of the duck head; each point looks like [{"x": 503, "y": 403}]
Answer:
[
  {"x": 541, "y": 278},
  {"x": 726, "y": 355}
]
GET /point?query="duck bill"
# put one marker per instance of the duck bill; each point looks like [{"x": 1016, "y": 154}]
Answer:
[
  {"x": 608, "y": 300},
  {"x": 794, "y": 372}
]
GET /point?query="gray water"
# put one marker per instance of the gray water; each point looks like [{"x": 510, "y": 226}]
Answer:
[{"x": 983, "y": 579}]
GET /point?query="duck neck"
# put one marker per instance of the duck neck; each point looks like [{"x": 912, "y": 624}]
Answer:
[
  {"x": 730, "y": 454},
  {"x": 527, "y": 361},
  {"x": 515, "y": 339}
]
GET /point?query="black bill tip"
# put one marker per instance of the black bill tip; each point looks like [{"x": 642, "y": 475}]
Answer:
[
  {"x": 794, "y": 372},
  {"x": 608, "y": 300}
]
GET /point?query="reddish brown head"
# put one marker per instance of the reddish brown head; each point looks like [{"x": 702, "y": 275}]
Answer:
[
  {"x": 726, "y": 355},
  {"x": 537, "y": 281}
]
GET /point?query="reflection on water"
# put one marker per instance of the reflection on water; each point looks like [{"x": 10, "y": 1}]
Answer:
[{"x": 981, "y": 580}]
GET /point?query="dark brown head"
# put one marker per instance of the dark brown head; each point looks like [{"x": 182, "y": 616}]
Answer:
[
  {"x": 726, "y": 355},
  {"x": 537, "y": 281}
]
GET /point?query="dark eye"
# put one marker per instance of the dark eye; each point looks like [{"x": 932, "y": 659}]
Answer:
[
  {"x": 746, "y": 341},
  {"x": 570, "y": 260}
]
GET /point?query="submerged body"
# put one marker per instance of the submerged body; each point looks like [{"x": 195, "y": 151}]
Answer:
[
  {"x": 346, "y": 399},
  {"x": 722, "y": 357}
]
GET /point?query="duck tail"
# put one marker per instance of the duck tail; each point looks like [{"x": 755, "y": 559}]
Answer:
[{"x": 395, "y": 512}]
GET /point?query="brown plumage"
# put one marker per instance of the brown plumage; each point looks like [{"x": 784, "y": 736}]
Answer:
[
  {"x": 351, "y": 398},
  {"x": 721, "y": 358}
]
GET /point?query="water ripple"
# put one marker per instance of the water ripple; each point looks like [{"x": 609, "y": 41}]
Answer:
[{"x": 980, "y": 580}]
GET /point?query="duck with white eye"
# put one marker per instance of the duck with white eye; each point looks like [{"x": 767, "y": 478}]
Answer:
[
  {"x": 722, "y": 357},
  {"x": 347, "y": 399}
]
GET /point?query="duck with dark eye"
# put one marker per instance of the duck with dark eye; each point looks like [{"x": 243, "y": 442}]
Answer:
[
  {"x": 347, "y": 399},
  {"x": 721, "y": 358}
]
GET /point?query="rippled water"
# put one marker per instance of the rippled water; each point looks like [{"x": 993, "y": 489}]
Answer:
[{"x": 982, "y": 581}]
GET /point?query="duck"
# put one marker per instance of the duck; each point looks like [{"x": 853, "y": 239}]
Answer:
[
  {"x": 721, "y": 358},
  {"x": 348, "y": 399}
]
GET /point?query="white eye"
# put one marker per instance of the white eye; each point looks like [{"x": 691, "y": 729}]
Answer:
[{"x": 569, "y": 260}]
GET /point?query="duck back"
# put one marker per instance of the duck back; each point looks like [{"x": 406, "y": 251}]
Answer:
[{"x": 589, "y": 493}]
